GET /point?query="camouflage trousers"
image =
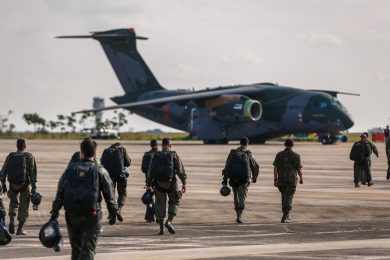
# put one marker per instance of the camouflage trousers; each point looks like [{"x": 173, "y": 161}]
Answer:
[
  {"x": 121, "y": 188},
  {"x": 239, "y": 196},
  {"x": 83, "y": 234},
  {"x": 162, "y": 198},
  {"x": 20, "y": 201},
  {"x": 287, "y": 192},
  {"x": 362, "y": 172}
]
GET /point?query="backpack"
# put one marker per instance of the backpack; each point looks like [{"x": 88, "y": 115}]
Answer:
[
  {"x": 81, "y": 189},
  {"x": 17, "y": 168},
  {"x": 112, "y": 160},
  {"x": 359, "y": 152},
  {"x": 146, "y": 161},
  {"x": 163, "y": 167},
  {"x": 238, "y": 168}
]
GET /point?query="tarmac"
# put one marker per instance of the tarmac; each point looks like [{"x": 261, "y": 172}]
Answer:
[{"x": 331, "y": 219}]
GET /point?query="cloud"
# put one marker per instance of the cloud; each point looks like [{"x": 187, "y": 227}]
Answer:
[{"x": 322, "y": 39}]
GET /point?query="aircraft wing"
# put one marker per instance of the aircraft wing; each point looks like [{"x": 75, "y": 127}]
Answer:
[
  {"x": 184, "y": 97},
  {"x": 334, "y": 93}
]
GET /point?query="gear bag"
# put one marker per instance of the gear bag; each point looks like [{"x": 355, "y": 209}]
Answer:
[
  {"x": 81, "y": 188},
  {"x": 359, "y": 152},
  {"x": 17, "y": 169},
  {"x": 162, "y": 167},
  {"x": 112, "y": 159},
  {"x": 238, "y": 168}
]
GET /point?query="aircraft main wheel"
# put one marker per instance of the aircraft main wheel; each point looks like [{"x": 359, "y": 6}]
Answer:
[
  {"x": 324, "y": 140},
  {"x": 213, "y": 141},
  {"x": 257, "y": 141}
]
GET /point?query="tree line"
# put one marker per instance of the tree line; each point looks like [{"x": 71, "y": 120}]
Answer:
[{"x": 64, "y": 122}]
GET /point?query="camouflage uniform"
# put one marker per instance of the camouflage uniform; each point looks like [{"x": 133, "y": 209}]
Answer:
[
  {"x": 2, "y": 208},
  {"x": 84, "y": 229},
  {"x": 145, "y": 168},
  {"x": 240, "y": 190},
  {"x": 287, "y": 165},
  {"x": 167, "y": 190},
  {"x": 362, "y": 161},
  {"x": 388, "y": 157},
  {"x": 119, "y": 183},
  {"x": 20, "y": 196}
]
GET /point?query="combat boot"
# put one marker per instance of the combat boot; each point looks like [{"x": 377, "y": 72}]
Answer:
[
  {"x": 239, "y": 219},
  {"x": 170, "y": 227},
  {"x": 370, "y": 183},
  {"x": 357, "y": 185},
  {"x": 119, "y": 215},
  {"x": 161, "y": 222},
  {"x": 20, "y": 231},
  {"x": 11, "y": 226},
  {"x": 284, "y": 218}
]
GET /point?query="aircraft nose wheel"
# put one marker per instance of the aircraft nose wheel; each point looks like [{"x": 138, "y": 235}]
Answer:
[{"x": 327, "y": 139}]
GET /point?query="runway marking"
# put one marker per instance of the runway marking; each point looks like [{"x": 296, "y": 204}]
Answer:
[{"x": 236, "y": 251}]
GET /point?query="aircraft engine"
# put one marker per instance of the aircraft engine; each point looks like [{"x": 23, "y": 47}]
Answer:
[{"x": 237, "y": 108}]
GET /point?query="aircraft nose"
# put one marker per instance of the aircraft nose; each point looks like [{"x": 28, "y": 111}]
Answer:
[{"x": 346, "y": 121}]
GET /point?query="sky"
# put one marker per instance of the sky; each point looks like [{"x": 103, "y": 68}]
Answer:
[{"x": 310, "y": 44}]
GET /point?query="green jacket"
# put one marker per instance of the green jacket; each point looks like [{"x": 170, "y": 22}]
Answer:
[
  {"x": 178, "y": 168},
  {"x": 253, "y": 168},
  {"x": 31, "y": 167},
  {"x": 288, "y": 164},
  {"x": 105, "y": 190}
]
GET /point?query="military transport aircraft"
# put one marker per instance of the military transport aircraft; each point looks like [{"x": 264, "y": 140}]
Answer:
[{"x": 259, "y": 111}]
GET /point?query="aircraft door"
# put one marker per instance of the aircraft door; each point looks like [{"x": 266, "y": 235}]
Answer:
[{"x": 194, "y": 121}]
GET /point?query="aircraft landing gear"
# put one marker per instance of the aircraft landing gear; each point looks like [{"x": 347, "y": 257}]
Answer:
[
  {"x": 327, "y": 139},
  {"x": 214, "y": 141},
  {"x": 256, "y": 140}
]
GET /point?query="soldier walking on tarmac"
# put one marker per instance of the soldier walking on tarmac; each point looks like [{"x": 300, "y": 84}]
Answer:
[
  {"x": 240, "y": 169},
  {"x": 166, "y": 165},
  {"x": 361, "y": 153},
  {"x": 20, "y": 170},
  {"x": 287, "y": 168},
  {"x": 80, "y": 191},
  {"x": 116, "y": 161},
  {"x": 145, "y": 168}
]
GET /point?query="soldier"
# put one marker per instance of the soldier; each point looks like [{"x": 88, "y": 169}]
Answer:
[
  {"x": 116, "y": 161},
  {"x": 240, "y": 169},
  {"x": 388, "y": 157},
  {"x": 372, "y": 150},
  {"x": 80, "y": 191},
  {"x": 360, "y": 153},
  {"x": 145, "y": 168},
  {"x": 21, "y": 171},
  {"x": 386, "y": 133},
  {"x": 166, "y": 165},
  {"x": 287, "y": 165},
  {"x": 3, "y": 190}
]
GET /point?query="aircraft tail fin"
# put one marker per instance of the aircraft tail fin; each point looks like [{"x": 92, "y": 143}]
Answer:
[{"x": 121, "y": 50}]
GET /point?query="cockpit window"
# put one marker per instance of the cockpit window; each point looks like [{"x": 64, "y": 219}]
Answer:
[{"x": 323, "y": 105}]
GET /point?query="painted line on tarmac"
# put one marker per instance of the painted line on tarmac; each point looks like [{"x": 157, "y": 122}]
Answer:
[{"x": 234, "y": 251}]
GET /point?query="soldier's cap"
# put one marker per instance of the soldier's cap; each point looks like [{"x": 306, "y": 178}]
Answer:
[
  {"x": 153, "y": 142},
  {"x": 244, "y": 141},
  {"x": 289, "y": 143},
  {"x": 365, "y": 134}
]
